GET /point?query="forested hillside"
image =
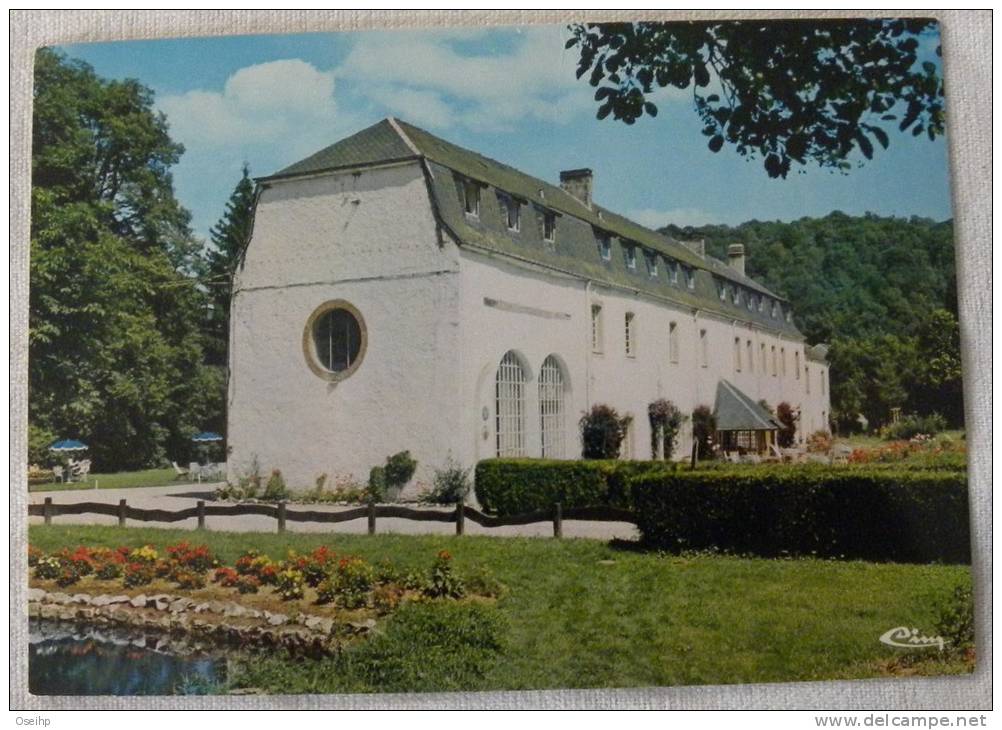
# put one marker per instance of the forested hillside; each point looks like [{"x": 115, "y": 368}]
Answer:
[{"x": 881, "y": 291}]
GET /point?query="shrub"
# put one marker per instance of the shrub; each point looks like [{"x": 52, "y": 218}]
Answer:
[
  {"x": 386, "y": 598},
  {"x": 145, "y": 554},
  {"x": 33, "y": 556},
  {"x": 665, "y": 419},
  {"x": 189, "y": 579},
  {"x": 248, "y": 584},
  {"x": 704, "y": 425},
  {"x": 317, "y": 566},
  {"x": 68, "y": 575},
  {"x": 452, "y": 484},
  {"x": 872, "y": 514},
  {"x": 442, "y": 581},
  {"x": 788, "y": 425},
  {"x": 516, "y": 486},
  {"x": 399, "y": 469},
  {"x": 197, "y": 558},
  {"x": 602, "y": 432},
  {"x": 275, "y": 490},
  {"x": 80, "y": 560},
  {"x": 377, "y": 483},
  {"x": 289, "y": 584},
  {"x": 137, "y": 574},
  {"x": 39, "y": 440},
  {"x": 48, "y": 567},
  {"x": 226, "y": 577},
  {"x": 910, "y": 426},
  {"x": 108, "y": 570},
  {"x": 482, "y": 582},
  {"x": 819, "y": 442},
  {"x": 353, "y": 579},
  {"x": 956, "y": 620}
]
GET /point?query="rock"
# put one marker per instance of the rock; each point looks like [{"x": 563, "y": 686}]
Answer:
[
  {"x": 65, "y": 614},
  {"x": 100, "y": 601},
  {"x": 159, "y": 602},
  {"x": 34, "y": 610},
  {"x": 200, "y": 607},
  {"x": 234, "y": 610},
  {"x": 36, "y": 594},
  {"x": 246, "y": 691},
  {"x": 139, "y": 601},
  {"x": 216, "y": 606},
  {"x": 311, "y": 622},
  {"x": 277, "y": 619},
  {"x": 121, "y": 615},
  {"x": 118, "y": 599},
  {"x": 58, "y": 598},
  {"x": 180, "y": 605}
]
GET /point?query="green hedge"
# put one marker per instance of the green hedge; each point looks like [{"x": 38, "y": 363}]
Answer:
[
  {"x": 516, "y": 486},
  {"x": 875, "y": 514}
]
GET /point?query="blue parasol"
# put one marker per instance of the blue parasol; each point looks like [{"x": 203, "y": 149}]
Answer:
[
  {"x": 206, "y": 437},
  {"x": 68, "y": 445}
]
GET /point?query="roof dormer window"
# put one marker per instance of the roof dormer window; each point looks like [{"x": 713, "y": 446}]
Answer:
[
  {"x": 471, "y": 198},
  {"x": 652, "y": 264},
  {"x": 722, "y": 290},
  {"x": 604, "y": 246},
  {"x": 630, "y": 252},
  {"x": 549, "y": 226},
  {"x": 775, "y": 309},
  {"x": 511, "y": 212},
  {"x": 690, "y": 277},
  {"x": 737, "y": 295},
  {"x": 673, "y": 269}
]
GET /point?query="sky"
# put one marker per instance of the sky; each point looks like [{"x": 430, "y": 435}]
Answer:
[{"x": 508, "y": 93}]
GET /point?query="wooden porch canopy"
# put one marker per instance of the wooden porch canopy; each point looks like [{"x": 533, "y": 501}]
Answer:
[{"x": 742, "y": 424}]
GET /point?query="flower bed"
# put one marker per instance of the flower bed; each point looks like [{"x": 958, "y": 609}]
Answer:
[{"x": 320, "y": 577}]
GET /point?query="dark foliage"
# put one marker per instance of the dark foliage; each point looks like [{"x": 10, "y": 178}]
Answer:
[
  {"x": 874, "y": 514},
  {"x": 602, "y": 432},
  {"x": 783, "y": 91},
  {"x": 788, "y": 418},
  {"x": 704, "y": 425},
  {"x": 665, "y": 419}
]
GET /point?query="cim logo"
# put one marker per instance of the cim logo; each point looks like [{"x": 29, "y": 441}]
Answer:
[{"x": 910, "y": 638}]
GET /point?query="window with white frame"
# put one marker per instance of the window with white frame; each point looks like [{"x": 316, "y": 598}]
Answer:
[
  {"x": 704, "y": 349},
  {"x": 775, "y": 309},
  {"x": 512, "y": 210},
  {"x": 673, "y": 267},
  {"x": 509, "y": 394},
  {"x": 737, "y": 354},
  {"x": 604, "y": 247},
  {"x": 737, "y": 295},
  {"x": 471, "y": 198},
  {"x": 652, "y": 264},
  {"x": 630, "y": 252},
  {"x": 551, "y": 408},
  {"x": 596, "y": 328},
  {"x": 723, "y": 292},
  {"x": 630, "y": 334},
  {"x": 673, "y": 341},
  {"x": 690, "y": 278},
  {"x": 549, "y": 226}
]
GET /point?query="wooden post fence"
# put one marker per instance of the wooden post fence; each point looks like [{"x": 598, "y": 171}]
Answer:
[
  {"x": 460, "y": 518},
  {"x": 121, "y": 513},
  {"x": 281, "y": 516},
  {"x": 372, "y": 517},
  {"x": 200, "y": 506},
  {"x": 558, "y": 520},
  {"x": 48, "y": 510}
]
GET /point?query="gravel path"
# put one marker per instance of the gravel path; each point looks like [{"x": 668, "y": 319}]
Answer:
[{"x": 185, "y": 495}]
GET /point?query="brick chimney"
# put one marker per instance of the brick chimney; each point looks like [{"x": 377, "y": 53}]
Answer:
[
  {"x": 736, "y": 256},
  {"x": 578, "y": 183}
]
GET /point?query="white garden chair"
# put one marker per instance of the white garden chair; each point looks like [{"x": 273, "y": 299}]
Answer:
[{"x": 179, "y": 471}]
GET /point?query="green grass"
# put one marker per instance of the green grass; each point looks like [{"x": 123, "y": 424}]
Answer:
[
  {"x": 119, "y": 480},
  {"x": 571, "y": 618}
]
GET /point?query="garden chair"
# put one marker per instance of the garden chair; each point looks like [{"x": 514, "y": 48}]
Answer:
[
  {"x": 80, "y": 470},
  {"x": 195, "y": 471},
  {"x": 57, "y": 474},
  {"x": 733, "y": 456},
  {"x": 179, "y": 471}
]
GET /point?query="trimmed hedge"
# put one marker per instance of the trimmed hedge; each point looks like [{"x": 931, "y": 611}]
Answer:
[
  {"x": 872, "y": 514},
  {"x": 515, "y": 486}
]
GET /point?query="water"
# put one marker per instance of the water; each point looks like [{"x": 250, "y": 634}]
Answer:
[{"x": 65, "y": 659}]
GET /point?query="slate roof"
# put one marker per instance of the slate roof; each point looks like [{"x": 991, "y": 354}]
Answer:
[
  {"x": 735, "y": 411},
  {"x": 575, "y": 249}
]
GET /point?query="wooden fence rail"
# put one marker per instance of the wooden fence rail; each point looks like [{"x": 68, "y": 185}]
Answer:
[{"x": 371, "y": 512}]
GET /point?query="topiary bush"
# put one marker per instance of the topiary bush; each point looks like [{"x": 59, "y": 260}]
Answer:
[
  {"x": 666, "y": 420},
  {"x": 704, "y": 425},
  {"x": 911, "y": 426},
  {"x": 516, "y": 486},
  {"x": 602, "y": 432},
  {"x": 870, "y": 514},
  {"x": 276, "y": 490}
]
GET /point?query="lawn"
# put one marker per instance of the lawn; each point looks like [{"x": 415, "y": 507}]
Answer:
[
  {"x": 583, "y": 613},
  {"x": 118, "y": 480}
]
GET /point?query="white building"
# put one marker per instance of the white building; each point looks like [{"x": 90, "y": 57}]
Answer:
[{"x": 399, "y": 292}]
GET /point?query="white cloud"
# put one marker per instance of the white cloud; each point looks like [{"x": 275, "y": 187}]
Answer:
[
  {"x": 653, "y": 218},
  {"x": 427, "y": 78},
  {"x": 275, "y": 101}
]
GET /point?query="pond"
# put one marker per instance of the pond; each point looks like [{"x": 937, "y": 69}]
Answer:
[{"x": 66, "y": 659}]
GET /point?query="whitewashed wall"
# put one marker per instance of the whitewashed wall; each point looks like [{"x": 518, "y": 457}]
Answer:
[
  {"x": 427, "y": 379},
  {"x": 369, "y": 239}
]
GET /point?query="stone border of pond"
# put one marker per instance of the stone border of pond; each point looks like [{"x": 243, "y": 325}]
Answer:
[{"x": 224, "y": 622}]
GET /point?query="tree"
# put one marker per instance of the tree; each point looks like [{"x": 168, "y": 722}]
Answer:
[
  {"x": 229, "y": 238},
  {"x": 665, "y": 419},
  {"x": 788, "y": 421},
  {"x": 939, "y": 386},
  {"x": 786, "y": 91},
  {"x": 704, "y": 427},
  {"x": 115, "y": 348},
  {"x": 602, "y": 432}
]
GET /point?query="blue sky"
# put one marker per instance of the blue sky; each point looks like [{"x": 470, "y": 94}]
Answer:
[{"x": 509, "y": 93}]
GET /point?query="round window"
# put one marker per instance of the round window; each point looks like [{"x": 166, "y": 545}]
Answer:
[{"x": 334, "y": 340}]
